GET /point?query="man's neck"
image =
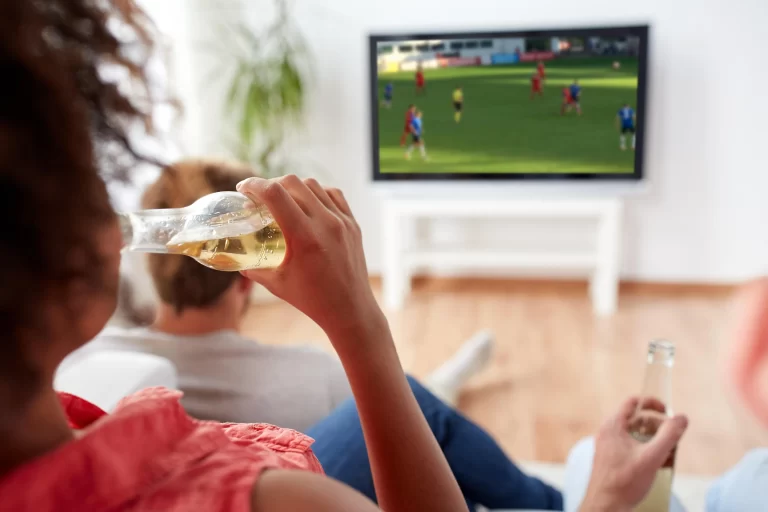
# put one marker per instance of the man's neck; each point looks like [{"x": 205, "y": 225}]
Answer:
[{"x": 196, "y": 322}]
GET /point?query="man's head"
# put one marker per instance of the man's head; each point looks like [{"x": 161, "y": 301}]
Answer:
[
  {"x": 411, "y": 108},
  {"x": 181, "y": 282},
  {"x": 747, "y": 360}
]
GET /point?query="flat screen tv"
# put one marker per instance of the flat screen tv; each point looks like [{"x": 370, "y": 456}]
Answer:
[{"x": 511, "y": 105}]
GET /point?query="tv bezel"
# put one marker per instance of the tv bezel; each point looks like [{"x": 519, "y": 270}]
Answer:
[{"x": 641, "y": 31}]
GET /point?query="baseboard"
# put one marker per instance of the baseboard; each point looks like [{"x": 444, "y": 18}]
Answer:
[
  {"x": 625, "y": 286},
  {"x": 677, "y": 288}
]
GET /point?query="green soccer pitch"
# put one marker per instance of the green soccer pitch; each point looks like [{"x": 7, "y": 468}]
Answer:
[{"x": 502, "y": 130}]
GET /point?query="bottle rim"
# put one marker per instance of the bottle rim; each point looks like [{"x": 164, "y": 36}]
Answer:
[
  {"x": 661, "y": 351},
  {"x": 658, "y": 345}
]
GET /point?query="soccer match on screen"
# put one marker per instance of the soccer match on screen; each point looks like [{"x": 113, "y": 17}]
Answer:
[{"x": 508, "y": 105}]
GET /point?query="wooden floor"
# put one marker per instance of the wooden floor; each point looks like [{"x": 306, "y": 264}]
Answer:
[{"x": 557, "y": 371}]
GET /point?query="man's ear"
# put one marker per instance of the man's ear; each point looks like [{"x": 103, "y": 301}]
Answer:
[{"x": 748, "y": 351}]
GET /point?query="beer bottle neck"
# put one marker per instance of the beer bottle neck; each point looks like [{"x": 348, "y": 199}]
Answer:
[
  {"x": 150, "y": 230},
  {"x": 658, "y": 374}
]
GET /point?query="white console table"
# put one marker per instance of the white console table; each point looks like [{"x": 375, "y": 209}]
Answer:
[{"x": 400, "y": 257}]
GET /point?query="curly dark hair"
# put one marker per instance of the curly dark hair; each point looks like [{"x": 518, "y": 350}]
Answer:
[{"x": 61, "y": 119}]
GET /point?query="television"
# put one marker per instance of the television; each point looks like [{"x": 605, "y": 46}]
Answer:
[{"x": 561, "y": 104}]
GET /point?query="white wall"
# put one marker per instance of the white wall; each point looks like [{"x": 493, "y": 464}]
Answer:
[
  {"x": 176, "y": 47},
  {"x": 170, "y": 70},
  {"x": 706, "y": 215}
]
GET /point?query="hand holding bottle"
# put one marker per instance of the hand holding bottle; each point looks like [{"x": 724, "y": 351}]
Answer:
[
  {"x": 324, "y": 273},
  {"x": 624, "y": 468}
]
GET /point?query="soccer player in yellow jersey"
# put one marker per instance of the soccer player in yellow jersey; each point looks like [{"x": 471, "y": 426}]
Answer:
[{"x": 458, "y": 103}]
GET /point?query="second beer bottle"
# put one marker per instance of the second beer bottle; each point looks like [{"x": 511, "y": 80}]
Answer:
[{"x": 654, "y": 407}]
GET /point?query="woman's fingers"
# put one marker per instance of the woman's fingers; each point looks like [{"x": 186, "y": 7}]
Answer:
[
  {"x": 276, "y": 198},
  {"x": 301, "y": 193},
  {"x": 338, "y": 198},
  {"x": 321, "y": 194}
]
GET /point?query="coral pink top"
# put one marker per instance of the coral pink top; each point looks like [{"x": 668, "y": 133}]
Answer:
[{"x": 149, "y": 455}]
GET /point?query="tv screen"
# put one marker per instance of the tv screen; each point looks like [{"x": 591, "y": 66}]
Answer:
[{"x": 544, "y": 104}]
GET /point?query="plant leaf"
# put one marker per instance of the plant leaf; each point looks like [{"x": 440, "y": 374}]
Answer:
[
  {"x": 266, "y": 88},
  {"x": 235, "y": 86}
]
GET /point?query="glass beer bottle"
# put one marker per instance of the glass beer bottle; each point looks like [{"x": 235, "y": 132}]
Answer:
[
  {"x": 653, "y": 408},
  {"x": 224, "y": 231}
]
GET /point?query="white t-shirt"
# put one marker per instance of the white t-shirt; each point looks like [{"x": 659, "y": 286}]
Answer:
[{"x": 229, "y": 378}]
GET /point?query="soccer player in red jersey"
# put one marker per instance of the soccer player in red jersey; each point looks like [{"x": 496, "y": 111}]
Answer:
[
  {"x": 408, "y": 122},
  {"x": 420, "y": 88},
  {"x": 540, "y": 69},
  {"x": 567, "y": 100},
  {"x": 536, "y": 85}
]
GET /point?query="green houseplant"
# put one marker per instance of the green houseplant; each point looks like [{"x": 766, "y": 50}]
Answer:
[{"x": 266, "y": 74}]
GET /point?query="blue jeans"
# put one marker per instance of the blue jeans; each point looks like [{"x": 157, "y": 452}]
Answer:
[{"x": 485, "y": 474}]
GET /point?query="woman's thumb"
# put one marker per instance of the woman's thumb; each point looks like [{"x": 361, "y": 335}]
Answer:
[{"x": 266, "y": 277}]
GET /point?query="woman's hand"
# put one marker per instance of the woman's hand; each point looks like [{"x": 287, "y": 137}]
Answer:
[
  {"x": 324, "y": 273},
  {"x": 623, "y": 469}
]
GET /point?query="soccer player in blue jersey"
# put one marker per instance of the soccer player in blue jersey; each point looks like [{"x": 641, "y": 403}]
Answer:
[
  {"x": 389, "y": 90},
  {"x": 625, "y": 122},
  {"x": 417, "y": 132},
  {"x": 575, "y": 90}
]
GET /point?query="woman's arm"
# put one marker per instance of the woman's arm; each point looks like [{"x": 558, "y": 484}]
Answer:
[
  {"x": 299, "y": 491},
  {"x": 324, "y": 275},
  {"x": 408, "y": 466}
]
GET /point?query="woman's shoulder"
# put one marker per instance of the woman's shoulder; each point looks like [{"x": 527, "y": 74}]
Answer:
[
  {"x": 293, "y": 448},
  {"x": 218, "y": 464},
  {"x": 148, "y": 452},
  {"x": 255, "y": 441}
]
